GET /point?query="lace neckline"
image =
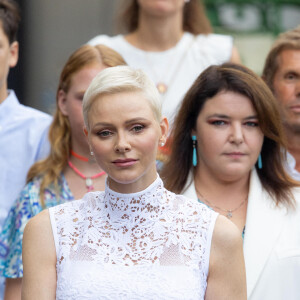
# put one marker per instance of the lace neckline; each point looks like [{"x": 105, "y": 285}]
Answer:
[{"x": 128, "y": 207}]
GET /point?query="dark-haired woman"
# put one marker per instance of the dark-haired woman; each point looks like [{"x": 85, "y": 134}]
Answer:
[{"x": 228, "y": 153}]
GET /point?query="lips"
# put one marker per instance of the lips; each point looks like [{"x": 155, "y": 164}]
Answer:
[
  {"x": 235, "y": 154},
  {"x": 295, "y": 108},
  {"x": 124, "y": 162}
]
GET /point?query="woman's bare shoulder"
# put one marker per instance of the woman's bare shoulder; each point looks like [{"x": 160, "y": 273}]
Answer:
[
  {"x": 226, "y": 235},
  {"x": 39, "y": 222},
  {"x": 38, "y": 233}
]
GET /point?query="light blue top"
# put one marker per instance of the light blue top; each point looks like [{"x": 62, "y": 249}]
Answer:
[
  {"x": 25, "y": 207},
  {"x": 23, "y": 141}
]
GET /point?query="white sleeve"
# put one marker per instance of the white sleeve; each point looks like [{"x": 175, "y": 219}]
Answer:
[{"x": 218, "y": 46}]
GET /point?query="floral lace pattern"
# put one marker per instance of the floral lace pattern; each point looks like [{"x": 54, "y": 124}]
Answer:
[{"x": 147, "y": 245}]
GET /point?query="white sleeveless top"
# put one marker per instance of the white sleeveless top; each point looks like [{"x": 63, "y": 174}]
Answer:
[
  {"x": 148, "y": 245},
  {"x": 177, "y": 67}
]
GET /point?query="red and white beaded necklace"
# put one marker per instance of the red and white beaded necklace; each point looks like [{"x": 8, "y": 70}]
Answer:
[{"x": 88, "y": 180}]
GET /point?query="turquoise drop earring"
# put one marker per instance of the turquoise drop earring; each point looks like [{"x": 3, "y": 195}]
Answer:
[
  {"x": 259, "y": 162},
  {"x": 194, "y": 138}
]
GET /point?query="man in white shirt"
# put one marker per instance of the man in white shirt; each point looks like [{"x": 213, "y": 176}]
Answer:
[
  {"x": 23, "y": 130},
  {"x": 282, "y": 74}
]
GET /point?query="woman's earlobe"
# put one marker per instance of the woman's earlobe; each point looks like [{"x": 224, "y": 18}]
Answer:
[{"x": 164, "y": 126}]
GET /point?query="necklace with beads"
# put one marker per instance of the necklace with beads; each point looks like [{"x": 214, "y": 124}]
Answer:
[
  {"x": 228, "y": 212},
  {"x": 83, "y": 158},
  {"x": 88, "y": 179}
]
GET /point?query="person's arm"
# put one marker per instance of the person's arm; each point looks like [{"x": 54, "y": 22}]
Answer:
[
  {"x": 39, "y": 259},
  {"x": 235, "y": 56},
  {"x": 13, "y": 289},
  {"x": 227, "y": 275},
  {"x": 11, "y": 237}
]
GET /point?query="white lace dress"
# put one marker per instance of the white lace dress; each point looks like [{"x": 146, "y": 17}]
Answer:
[{"x": 148, "y": 245}]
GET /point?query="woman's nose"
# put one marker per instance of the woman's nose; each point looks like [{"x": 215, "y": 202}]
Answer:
[
  {"x": 122, "y": 144},
  {"x": 237, "y": 135}
]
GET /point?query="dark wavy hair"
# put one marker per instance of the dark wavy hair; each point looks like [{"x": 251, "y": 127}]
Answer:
[{"x": 241, "y": 80}]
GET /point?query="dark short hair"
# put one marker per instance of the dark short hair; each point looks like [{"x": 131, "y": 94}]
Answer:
[{"x": 10, "y": 18}]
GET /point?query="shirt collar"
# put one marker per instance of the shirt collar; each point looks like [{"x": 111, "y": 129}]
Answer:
[
  {"x": 290, "y": 165},
  {"x": 9, "y": 103}
]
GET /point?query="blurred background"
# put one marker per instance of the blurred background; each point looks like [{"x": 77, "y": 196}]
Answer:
[{"x": 51, "y": 30}]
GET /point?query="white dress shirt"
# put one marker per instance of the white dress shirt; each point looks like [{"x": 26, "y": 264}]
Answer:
[
  {"x": 271, "y": 244},
  {"x": 290, "y": 165},
  {"x": 23, "y": 141}
]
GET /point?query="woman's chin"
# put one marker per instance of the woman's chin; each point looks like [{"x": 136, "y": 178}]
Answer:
[{"x": 234, "y": 174}]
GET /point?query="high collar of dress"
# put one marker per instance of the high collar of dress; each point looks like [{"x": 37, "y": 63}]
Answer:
[{"x": 135, "y": 206}]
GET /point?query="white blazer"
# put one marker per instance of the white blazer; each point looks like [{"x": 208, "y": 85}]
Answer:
[{"x": 271, "y": 245}]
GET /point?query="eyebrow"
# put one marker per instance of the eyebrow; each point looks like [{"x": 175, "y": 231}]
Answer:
[
  {"x": 291, "y": 71},
  {"x": 80, "y": 92},
  {"x": 127, "y": 122},
  {"x": 227, "y": 117},
  {"x": 136, "y": 120}
]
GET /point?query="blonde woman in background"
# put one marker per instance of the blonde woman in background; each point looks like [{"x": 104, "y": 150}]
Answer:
[{"x": 69, "y": 171}]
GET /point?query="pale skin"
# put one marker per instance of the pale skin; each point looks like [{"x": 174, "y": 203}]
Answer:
[
  {"x": 229, "y": 142},
  {"x": 9, "y": 54},
  {"x": 117, "y": 131},
  {"x": 39, "y": 259},
  {"x": 227, "y": 274},
  {"x": 70, "y": 105},
  {"x": 160, "y": 26},
  {"x": 286, "y": 87}
]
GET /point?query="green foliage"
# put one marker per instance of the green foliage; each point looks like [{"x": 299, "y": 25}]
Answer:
[{"x": 253, "y": 15}]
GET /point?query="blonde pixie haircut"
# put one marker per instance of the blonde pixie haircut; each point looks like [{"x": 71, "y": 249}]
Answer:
[
  {"x": 50, "y": 169},
  {"x": 121, "y": 79}
]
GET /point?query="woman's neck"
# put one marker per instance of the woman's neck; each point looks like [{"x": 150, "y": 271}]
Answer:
[
  {"x": 222, "y": 193},
  {"x": 156, "y": 34},
  {"x": 88, "y": 168},
  {"x": 82, "y": 159},
  {"x": 137, "y": 184},
  {"x": 228, "y": 198}
]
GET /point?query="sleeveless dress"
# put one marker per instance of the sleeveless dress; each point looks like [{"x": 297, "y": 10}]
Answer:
[{"x": 147, "y": 245}]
